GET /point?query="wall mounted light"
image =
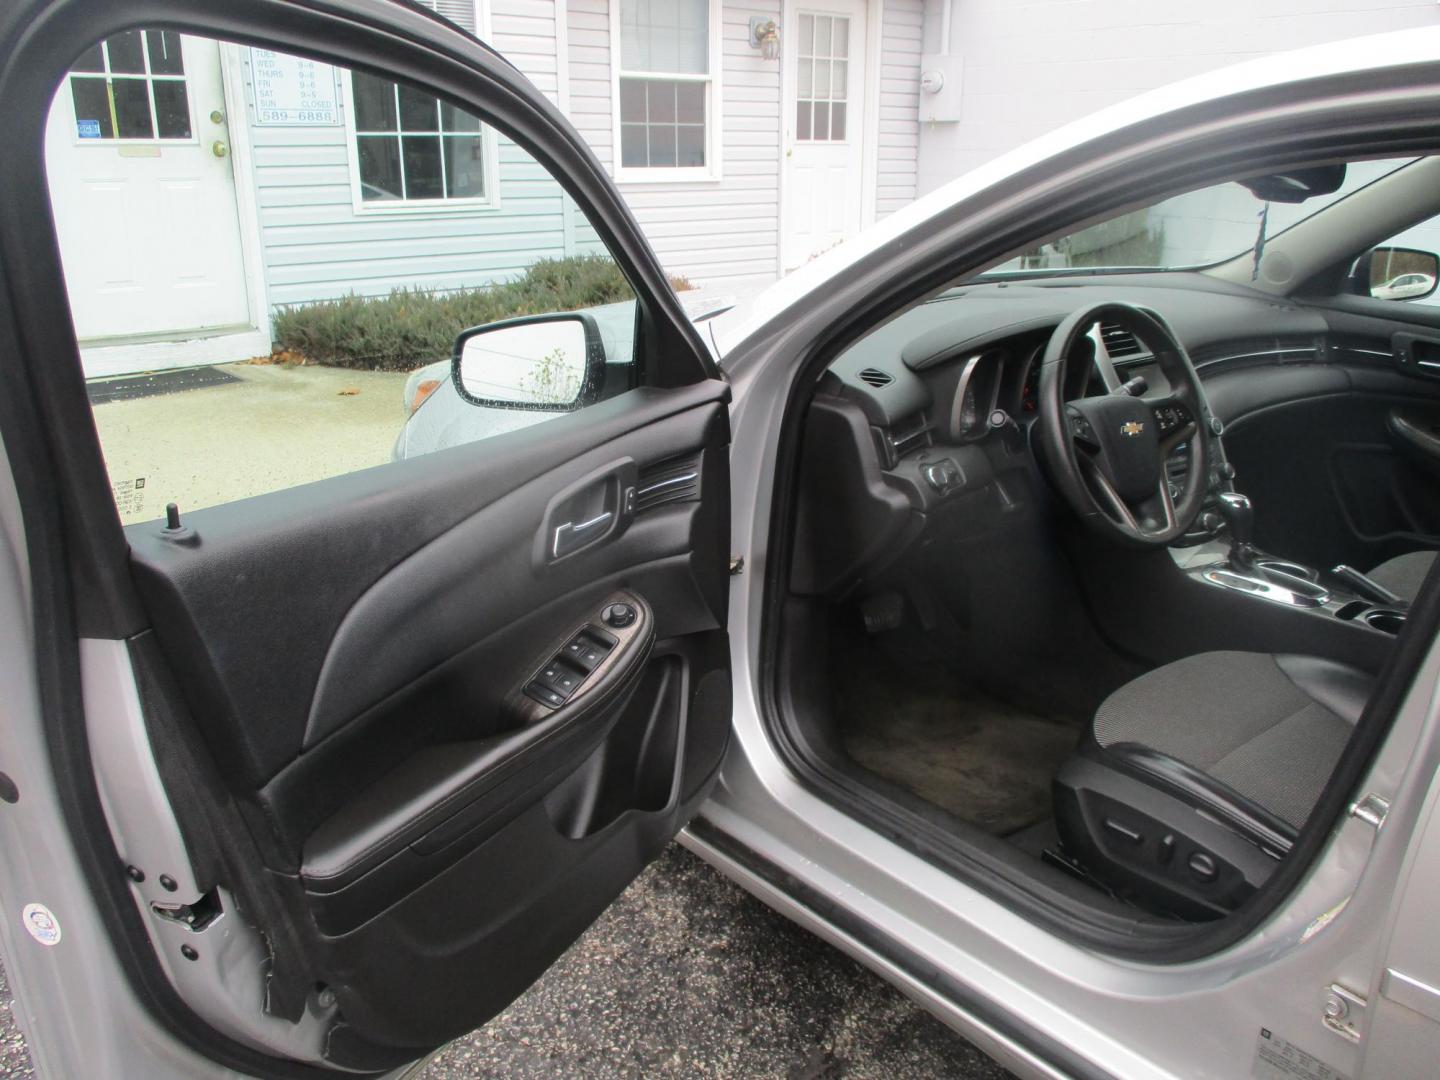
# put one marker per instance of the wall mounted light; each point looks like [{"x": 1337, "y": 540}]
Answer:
[{"x": 765, "y": 36}]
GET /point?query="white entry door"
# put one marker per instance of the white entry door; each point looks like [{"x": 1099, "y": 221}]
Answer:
[
  {"x": 137, "y": 152},
  {"x": 824, "y": 76}
]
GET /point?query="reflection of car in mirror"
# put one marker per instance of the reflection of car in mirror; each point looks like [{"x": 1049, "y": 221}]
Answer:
[{"x": 1404, "y": 287}]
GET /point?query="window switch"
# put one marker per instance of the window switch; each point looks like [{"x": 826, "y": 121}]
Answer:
[
  {"x": 560, "y": 677},
  {"x": 585, "y": 652},
  {"x": 545, "y": 695}
]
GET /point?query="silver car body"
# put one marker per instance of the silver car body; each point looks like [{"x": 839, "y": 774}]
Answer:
[{"x": 1361, "y": 921}]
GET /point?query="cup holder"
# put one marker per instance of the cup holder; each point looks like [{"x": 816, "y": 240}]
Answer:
[{"x": 1389, "y": 622}]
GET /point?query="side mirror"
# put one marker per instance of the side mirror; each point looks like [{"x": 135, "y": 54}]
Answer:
[
  {"x": 1397, "y": 274},
  {"x": 554, "y": 363}
]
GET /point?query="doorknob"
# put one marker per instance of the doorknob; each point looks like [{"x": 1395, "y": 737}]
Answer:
[{"x": 219, "y": 149}]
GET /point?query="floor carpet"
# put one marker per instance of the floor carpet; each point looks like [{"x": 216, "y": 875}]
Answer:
[{"x": 988, "y": 763}]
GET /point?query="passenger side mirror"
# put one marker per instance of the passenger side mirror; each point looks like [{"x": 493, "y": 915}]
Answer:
[
  {"x": 554, "y": 363},
  {"x": 1389, "y": 273}
]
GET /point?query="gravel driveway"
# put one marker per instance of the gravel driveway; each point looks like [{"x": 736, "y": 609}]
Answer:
[{"x": 688, "y": 975}]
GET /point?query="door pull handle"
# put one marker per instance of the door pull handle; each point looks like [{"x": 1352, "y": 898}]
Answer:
[{"x": 573, "y": 534}]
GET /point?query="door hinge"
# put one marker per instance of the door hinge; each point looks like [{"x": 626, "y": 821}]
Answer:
[
  {"x": 1343, "y": 1010},
  {"x": 737, "y": 565},
  {"x": 1371, "y": 810}
]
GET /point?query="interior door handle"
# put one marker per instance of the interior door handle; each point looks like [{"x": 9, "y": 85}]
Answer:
[
  {"x": 574, "y": 534},
  {"x": 1416, "y": 438}
]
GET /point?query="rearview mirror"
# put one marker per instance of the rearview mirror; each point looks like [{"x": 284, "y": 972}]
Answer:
[
  {"x": 1389, "y": 273},
  {"x": 554, "y": 363},
  {"x": 1297, "y": 185}
]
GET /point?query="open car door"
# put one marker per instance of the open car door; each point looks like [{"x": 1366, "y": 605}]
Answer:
[{"x": 415, "y": 725}]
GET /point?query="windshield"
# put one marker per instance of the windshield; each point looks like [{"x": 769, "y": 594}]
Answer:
[{"x": 1200, "y": 228}]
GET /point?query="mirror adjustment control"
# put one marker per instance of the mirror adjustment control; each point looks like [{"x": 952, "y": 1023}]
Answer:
[{"x": 619, "y": 615}]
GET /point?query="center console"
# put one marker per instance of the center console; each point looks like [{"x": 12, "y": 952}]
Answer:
[{"x": 1343, "y": 593}]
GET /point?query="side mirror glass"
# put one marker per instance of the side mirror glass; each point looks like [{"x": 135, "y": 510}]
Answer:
[
  {"x": 1398, "y": 274},
  {"x": 554, "y": 363}
]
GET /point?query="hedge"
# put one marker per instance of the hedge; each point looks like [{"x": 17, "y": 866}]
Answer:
[{"x": 411, "y": 327}]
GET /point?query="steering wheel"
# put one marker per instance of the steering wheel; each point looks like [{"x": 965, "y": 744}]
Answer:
[{"x": 1107, "y": 454}]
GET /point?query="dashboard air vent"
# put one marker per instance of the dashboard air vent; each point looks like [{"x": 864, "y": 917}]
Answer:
[
  {"x": 875, "y": 377},
  {"x": 1119, "y": 341},
  {"x": 672, "y": 480}
]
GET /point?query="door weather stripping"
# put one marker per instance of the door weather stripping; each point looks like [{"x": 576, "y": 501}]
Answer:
[
  {"x": 213, "y": 958},
  {"x": 1343, "y": 1010},
  {"x": 1371, "y": 810}
]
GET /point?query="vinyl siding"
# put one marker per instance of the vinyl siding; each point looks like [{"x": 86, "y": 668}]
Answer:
[
  {"x": 898, "y": 147},
  {"x": 716, "y": 233},
  {"x": 315, "y": 244},
  {"x": 1033, "y": 65}
]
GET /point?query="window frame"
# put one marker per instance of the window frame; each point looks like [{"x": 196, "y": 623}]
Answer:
[
  {"x": 490, "y": 147},
  {"x": 149, "y": 78},
  {"x": 711, "y": 171}
]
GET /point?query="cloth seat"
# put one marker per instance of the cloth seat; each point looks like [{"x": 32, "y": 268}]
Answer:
[
  {"x": 1269, "y": 728},
  {"x": 1198, "y": 776},
  {"x": 1404, "y": 574}
]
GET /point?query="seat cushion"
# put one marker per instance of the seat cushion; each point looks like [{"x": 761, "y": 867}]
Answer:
[
  {"x": 1404, "y": 574},
  {"x": 1271, "y": 728}
]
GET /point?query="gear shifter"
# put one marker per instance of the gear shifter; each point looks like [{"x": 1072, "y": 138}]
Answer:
[{"x": 1239, "y": 515}]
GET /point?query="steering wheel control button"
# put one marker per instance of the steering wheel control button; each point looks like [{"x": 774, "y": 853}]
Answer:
[
  {"x": 1203, "y": 868},
  {"x": 1217, "y": 427},
  {"x": 545, "y": 695},
  {"x": 619, "y": 615},
  {"x": 1170, "y": 417}
]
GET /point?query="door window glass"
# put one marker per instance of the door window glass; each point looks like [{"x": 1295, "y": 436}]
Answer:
[
  {"x": 822, "y": 78},
  {"x": 132, "y": 86},
  {"x": 246, "y": 324}
]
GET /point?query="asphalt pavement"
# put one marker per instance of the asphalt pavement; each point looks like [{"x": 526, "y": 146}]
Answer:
[{"x": 688, "y": 975}]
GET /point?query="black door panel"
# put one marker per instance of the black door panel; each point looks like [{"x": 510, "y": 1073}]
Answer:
[
  {"x": 296, "y": 562},
  {"x": 369, "y": 659},
  {"x": 1312, "y": 446}
]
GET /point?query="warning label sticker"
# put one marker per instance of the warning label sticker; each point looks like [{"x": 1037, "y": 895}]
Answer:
[
  {"x": 1280, "y": 1059},
  {"x": 129, "y": 496}
]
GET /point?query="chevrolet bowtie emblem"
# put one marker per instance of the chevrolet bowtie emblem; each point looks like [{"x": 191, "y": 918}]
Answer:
[{"x": 1131, "y": 428}]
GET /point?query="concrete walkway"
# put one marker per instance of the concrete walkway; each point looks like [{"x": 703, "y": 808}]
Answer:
[{"x": 277, "y": 427}]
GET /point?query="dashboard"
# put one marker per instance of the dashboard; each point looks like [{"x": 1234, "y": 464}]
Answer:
[{"x": 922, "y": 428}]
